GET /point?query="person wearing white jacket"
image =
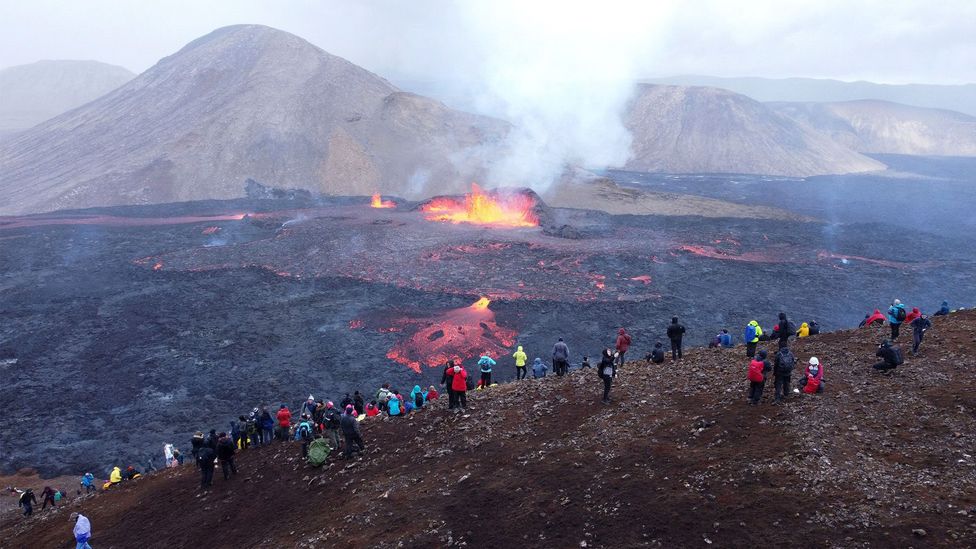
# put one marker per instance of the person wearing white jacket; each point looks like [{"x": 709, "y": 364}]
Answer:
[{"x": 82, "y": 530}]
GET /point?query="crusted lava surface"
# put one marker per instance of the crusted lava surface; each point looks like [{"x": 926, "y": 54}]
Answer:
[
  {"x": 124, "y": 328},
  {"x": 677, "y": 460}
]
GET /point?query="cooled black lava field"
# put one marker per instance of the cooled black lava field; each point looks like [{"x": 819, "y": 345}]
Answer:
[{"x": 125, "y": 328}]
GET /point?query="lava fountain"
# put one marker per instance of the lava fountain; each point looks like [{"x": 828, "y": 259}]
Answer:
[
  {"x": 378, "y": 202},
  {"x": 458, "y": 333},
  {"x": 481, "y": 208}
]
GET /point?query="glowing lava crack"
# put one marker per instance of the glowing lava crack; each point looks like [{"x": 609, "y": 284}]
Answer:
[
  {"x": 458, "y": 333},
  {"x": 480, "y": 208}
]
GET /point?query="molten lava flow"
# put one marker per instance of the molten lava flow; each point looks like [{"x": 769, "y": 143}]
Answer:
[
  {"x": 378, "y": 202},
  {"x": 480, "y": 208},
  {"x": 459, "y": 333}
]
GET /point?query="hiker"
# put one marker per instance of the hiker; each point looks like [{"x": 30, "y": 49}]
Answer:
[
  {"x": 520, "y": 359},
  {"x": 814, "y": 328},
  {"x": 896, "y": 315},
  {"x": 382, "y": 396},
  {"x": 804, "y": 330},
  {"x": 919, "y": 326},
  {"x": 417, "y": 396},
  {"x": 308, "y": 407},
  {"x": 657, "y": 354},
  {"x": 874, "y": 317},
  {"x": 758, "y": 368},
  {"x": 205, "y": 461},
  {"x": 305, "y": 432},
  {"x": 485, "y": 363},
  {"x": 432, "y": 393},
  {"x": 447, "y": 377},
  {"x": 538, "y": 368},
  {"x": 346, "y": 401},
  {"x": 607, "y": 369},
  {"x": 88, "y": 482},
  {"x": 394, "y": 406},
  {"x": 891, "y": 356},
  {"x": 560, "y": 358},
  {"x": 131, "y": 473},
  {"x": 81, "y": 530},
  {"x": 332, "y": 420},
  {"x": 27, "y": 501},
  {"x": 459, "y": 382},
  {"x": 267, "y": 426},
  {"x": 675, "y": 333},
  {"x": 350, "y": 430},
  {"x": 168, "y": 458},
  {"x": 47, "y": 496},
  {"x": 864, "y": 321},
  {"x": 943, "y": 310},
  {"x": 725, "y": 339},
  {"x": 586, "y": 362},
  {"x": 784, "y": 329},
  {"x": 115, "y": 476},
  {"x": 408, "y": 405},
  {"x": 284, "y": 422},
  {"x": 196, "y": 443},
  {"x": 751, "y": 337},
  {"x": 358, "y": 403},
  {"x": 910, "y": 317},
  {"x": 623, "y": 344},
  {"x": 372, "y": 410},
  {"x": 812, "y": 381},
  {"x": 211, "y": 439},
  {"x": 225, "y": 453},
  {"x": 783, "y": 372}
]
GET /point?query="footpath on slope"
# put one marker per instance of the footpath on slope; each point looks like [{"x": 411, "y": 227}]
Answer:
[{"x": 678, "y": 459}]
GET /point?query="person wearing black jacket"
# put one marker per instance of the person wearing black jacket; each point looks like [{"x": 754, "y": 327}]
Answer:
[
  {"x": 350, "y": 430},
  {"x": 346, "y": 401},
  {"x": 27, "y": 500},
  {"x": 783, "y": 373},
  {"x": 358, "y": 403},
  {"x": 919, "y": 326},
  {"x": 890, "y": 356},
  {"x": 452, "y": 397},
  {"x": 205, "y": 461},
  {"x": 225, "y": 453},
  {"x": 786, "y": 329},
  {"x": 196, "y": 443},
  {"x": 675, "y": 333},
  {"x": 607, "y": 370},
  {"x": 657, "y": 354}
]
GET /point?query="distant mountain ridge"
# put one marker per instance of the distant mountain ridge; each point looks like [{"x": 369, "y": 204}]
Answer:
[
  {"x": 33, "y": 93},
  {"x": 245, "y": 101}
]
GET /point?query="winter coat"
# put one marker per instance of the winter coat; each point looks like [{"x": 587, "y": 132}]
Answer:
[
  {"x": 893, "y": 313},
  {"x": 784, "y": 330},
  {"x": 372, "y": 410},
  {"x": 432, "y": 394},
  {"x": 813, "y": 380},
  {"x": 393, "y": 406},
  {"x": 606, "y": 368},
  {"x": 560, "y": 351},
  {"x": 87, "y": 480},
  {"x": 785, "y": 362},
  {"x": 888, "y": 354},
  {"x": 919, "y": 325},
  {"x": 944, "y": 310},
  {"x": 486, "y": 362},
  {"x": 82, "y": 529},
  {"x": 413, "y": 396},
  {"x": 520, "y": 357},
  {"x": 539, "y": 369},
  {"x": 623, "y": 341},
  {"x": 225, "y": 448},
  {"x": 758, "y": 369},
  {"x": 459, "y": 381},
  {"x": 804, "y": 330},
  {"x": 675, "y": 331},
  {"x": 725, "y": 340},
  {"x": 205, "y": 458},
  {"x": 349, "y": 425},
  {"x": 752, "y": 333},
  {"x": 267, "y": 422},
  {"x": 814, "y": 328},
  {"x": 116, "y": 476},
  {"x": 912, "y": 315},
  {"x": 657, "y": 355},
  {"x": 284, "y": 418}
]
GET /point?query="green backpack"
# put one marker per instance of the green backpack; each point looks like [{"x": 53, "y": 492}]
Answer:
[{"x": 318, "y": 451}]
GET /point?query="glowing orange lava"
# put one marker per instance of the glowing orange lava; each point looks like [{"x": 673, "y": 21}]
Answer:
[
  {"x": 378, "y": 202},
  {"x": 480, "y": 208}
]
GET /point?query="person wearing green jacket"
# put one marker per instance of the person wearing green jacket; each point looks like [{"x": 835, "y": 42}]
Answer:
[
  {"x": 520, "y": 358},
  {"x": 751, "y": 337}
]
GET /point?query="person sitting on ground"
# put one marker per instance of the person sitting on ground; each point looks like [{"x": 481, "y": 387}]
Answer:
[
  {"x": 804, "y": 330},
  {"x": 586, "y": 362},
  {"x": 758, "y": 368},
  {"x": 88, "y": 483},
  {"x": 81, "y": 530},
  {"x": 919, "y": 326},
  {"x": 912, "y": 315},
  {"x": 350, "y": 430},
  {"x": 485, "y": 364},
  {"x": 814, "y": 328},
  {"x": 896, "y": 315},
  {"x": 47, "y": 496},
  {"x": 417, "y": 396},
  {"x": 891, "y": 356},
  {"x": 538, "y": 368},
  {"x": 607, "y": 370},
  {"x": 725, "y": 339},
  {"x": 393, "y": 406},
  {"x": 657, "y": 354},
  {"x": 459, "y": 382},
  {"x": 520, "y": 359},
  {"x": 372, "y": 410},
  {"x": 226, "y": 450},
  {"x": 812, "y": 381},
  {"x": 27, "y": 500},
  {"x": 131, "y": 473},
  {"x": 115, "y": 476},
  {"x": 383, "y": 396},
  {"x": 943, "y": 310},
  {"x": 284, "y": 422},
  {"x": 864, "y": 321},
  {"x": 874, "y": 318},
  {"x": 432, "y": 393}
]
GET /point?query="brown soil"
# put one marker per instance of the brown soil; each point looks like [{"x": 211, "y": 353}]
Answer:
[{"x": 678, "y": 459}]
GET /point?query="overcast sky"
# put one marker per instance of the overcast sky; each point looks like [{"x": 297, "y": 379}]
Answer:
[{"x": 885, "y": 41}]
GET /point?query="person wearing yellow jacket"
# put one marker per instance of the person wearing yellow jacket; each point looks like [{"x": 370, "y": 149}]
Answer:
[
  {"x": 114, "y": 478},
  {"x": 520, "y": 359},
  {"x": 804, "y": 330},
  {"x": 751, "y": 337}
]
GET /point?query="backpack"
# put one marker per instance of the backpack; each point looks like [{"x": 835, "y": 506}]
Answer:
[
  {"x": 304, "y": 431},
  {"x": 787, "y": 361},
  {"x": 418, "y": 400},
  {"x": 896, "y": 353},
  {"x": 250, "y": 427},
  {"x": 900, "y": 315},
  {"x": 750, "y": 333},
  {"x": 318, "y": 451}
]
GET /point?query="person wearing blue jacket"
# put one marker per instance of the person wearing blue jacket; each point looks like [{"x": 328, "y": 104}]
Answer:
[
  {"x": 539, "y": 369},
  {"x": 725, "y": 339},
  {"x": 485, "y": 363},
  {"x": 943, "y": 311},
  {"x": 88, "y": 483},
  {"x": 394, "y": 406},
  {"x": 418, "y": 397},
  {"x": 896, "y": 315}
]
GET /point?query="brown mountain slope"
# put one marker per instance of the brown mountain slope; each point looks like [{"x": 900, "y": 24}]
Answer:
[
  {"x": 683, "y": 129},
  {"x": 678, "y": 459},
  {"x": 244, "y": 101}
]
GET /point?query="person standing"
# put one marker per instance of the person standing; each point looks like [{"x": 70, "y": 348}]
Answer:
[
  {"x": 27, "y": 500},
  {"x": 623, "y": 345},
  {"x": 358, "y": 402},
  {"x": 350, "y": 430},
  {"x": 919, "y": 327},
  {"x": 607, "y": 370},
  {"x": 47, "y": 496},
  {"x": 675, "y": 332},
  {"x": 485, "y": 364},
  {"x": 88, "y": 483},
  {"x": 784, "y": 329},
  {"x": 896, "y": 315},
  {"x": 783, "y": 373},
  {"x": 81, "y": 530},
  {"x": 447, "y": 382},
  {"x": 751, "y": 337},
  {"x": 758, "y": 368},
  {"x": 520, "y": 359},
  {"x": 205, "y": 461},
  {"x": 560, "y": 357},
  {"x": 459, "y": 382},
  {"x": 267, "y": 426},
  {"x": 332, "y": 421},
  {"x": 284, "y": 422},
  {"x": 225, "y": 454}
]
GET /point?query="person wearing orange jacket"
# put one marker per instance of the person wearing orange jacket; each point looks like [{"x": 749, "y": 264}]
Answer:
[
  {"x": 459, "y": 384},
  {"x": 284, "y": 422}
]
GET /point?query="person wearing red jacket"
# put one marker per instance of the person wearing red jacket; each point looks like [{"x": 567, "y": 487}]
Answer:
[
  {"x": 812, "y": 381},
  {"x": 623, "y": 343},
  {"x": 758, "y": 367},
  {"x": 459, "y": 384},
  {"x": 284, "y": 422},
  {"x": 876, "y": 317},
  {"x": 912, "y": 316},
  {"x": 432, "y": 393}
]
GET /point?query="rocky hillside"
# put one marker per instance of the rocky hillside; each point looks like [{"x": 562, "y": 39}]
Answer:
[
  {"x": 36, "y": 92},
  {"x": 870, "y": 126},
  {"x": 678, "y": 459},
  {"x": 683, "y": 129},
  {"x": 244, "y": 101}
]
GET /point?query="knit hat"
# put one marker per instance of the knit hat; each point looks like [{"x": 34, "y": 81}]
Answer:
[
  {"x": 349, "y": 408},
  {"x": 457, "y": 369},
  {"x": 814, "y": 361},
  {"x": 897, "y": 302}
]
